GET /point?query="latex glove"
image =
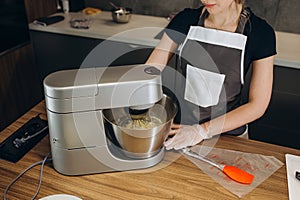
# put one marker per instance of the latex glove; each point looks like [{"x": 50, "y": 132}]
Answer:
[{"x": 186, "y": 136}]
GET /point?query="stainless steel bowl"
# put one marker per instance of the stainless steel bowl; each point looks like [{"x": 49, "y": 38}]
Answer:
[
  {"x": 141, "y": 142},
  {"x": 121, "y": 14}
]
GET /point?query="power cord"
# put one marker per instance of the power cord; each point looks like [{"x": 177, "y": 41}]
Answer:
[{"x": 42, "y": 163}]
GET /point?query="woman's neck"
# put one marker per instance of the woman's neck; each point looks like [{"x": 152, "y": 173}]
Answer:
[{"x": 226, "y": 20}]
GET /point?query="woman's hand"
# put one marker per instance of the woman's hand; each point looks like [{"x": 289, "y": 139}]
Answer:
[{"x": 184, "y": 136}]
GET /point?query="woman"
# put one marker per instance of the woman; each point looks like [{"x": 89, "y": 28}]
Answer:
[{"x": 217, "y": 43}]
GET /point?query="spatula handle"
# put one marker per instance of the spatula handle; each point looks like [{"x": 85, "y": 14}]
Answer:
[{"x": 188, "y": 152}]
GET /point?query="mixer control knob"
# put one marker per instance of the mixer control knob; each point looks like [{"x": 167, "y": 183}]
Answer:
[{"x": 152, "y": 70}]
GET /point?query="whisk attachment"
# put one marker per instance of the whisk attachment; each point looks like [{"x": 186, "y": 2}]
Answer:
[{"x": 140, "y": 119}]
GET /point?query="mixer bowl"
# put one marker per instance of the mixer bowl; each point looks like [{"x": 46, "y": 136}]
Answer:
[{"x": 141, "y": 142}]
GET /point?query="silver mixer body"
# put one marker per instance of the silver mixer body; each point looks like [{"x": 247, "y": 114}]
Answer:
[{"x": 75, "y": 100}]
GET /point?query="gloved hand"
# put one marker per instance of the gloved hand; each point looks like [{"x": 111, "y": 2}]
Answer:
[{"x": 186, "y": 136}]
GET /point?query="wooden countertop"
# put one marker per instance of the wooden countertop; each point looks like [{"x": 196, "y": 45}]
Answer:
[{"x": 179, "y": 180}]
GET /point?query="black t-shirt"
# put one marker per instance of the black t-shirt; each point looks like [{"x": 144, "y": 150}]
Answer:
[{"x": 261, "y": 42}]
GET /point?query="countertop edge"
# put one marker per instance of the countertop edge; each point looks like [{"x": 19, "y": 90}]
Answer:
[
  {"x": 288, "y": 44},
  {"x": 136, "y": 41},
  {"x": 286, "y": 63}
]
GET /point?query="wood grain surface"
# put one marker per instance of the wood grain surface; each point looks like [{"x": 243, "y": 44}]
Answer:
[{"x": 180, "y": 179}]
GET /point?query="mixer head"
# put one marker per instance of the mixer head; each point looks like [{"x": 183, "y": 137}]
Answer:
[{"x": 137, "y": 114}]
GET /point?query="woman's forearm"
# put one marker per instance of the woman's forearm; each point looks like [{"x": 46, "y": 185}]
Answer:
[
  {"x": 233, "y": 119},
  {"x": 162, "y": 52}
]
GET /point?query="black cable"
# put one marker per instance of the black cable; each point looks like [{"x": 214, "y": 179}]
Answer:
[{"x": 42, "y": 162}]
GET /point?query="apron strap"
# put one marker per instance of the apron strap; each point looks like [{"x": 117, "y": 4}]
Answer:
[
  {"x": 203, "y": 16},
  {"x": 244, "y": 17}
]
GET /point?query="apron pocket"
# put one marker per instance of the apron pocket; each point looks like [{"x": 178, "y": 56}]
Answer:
[{"x": 203, "y": 87}]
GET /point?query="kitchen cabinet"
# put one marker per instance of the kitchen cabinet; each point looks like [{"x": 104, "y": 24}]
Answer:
[
  {"x": 55, "y": 52},
  {"x": 59, "y": 46},
  {"x": 280, "y": 123},
  {"x": 19, "y": 88}
]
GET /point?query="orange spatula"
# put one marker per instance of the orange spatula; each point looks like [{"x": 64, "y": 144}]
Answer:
[{"x": 232, "y": 172}]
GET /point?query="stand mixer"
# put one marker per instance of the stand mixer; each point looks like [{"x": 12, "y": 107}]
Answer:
[{"x": 77, "y": 101}]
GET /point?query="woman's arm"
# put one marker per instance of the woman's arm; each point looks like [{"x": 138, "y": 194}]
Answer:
[
  {"x": 162, "y": 52},
  {"x": 259, "y": 98}
]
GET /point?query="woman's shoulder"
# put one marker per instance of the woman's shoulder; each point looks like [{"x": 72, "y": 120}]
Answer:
[
  {"x": 261, "y": 36},
  {"x": 189, "y": 14},
  {"x": 179, "y": 26},
  {"x": 258, "y": 25}
]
